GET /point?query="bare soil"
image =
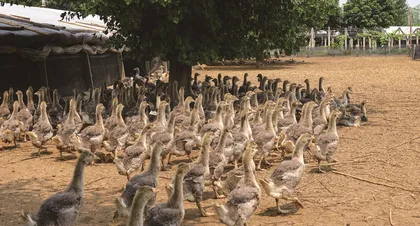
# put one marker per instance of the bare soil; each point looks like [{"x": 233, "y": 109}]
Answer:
[{"x": 386, "y": 149}]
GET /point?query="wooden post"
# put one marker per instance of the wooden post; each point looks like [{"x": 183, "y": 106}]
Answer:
[
  {"x": 346, "y": 34},
  {"x": 165, "y": 66},
  {"x": 147, "y": 67},
  {"x": 411, "y": 26},
  {"x": 370, "y": 43},
  {"x": 364, "y": 39},
  {"x": 329, "y": 36},
  {"x": 351, "y": 43},
  {"x": 312, "y": 42},
  {"x": 399, "y": 43}
]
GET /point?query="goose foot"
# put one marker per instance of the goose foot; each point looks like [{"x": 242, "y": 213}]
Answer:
[
  {"x": 319, "y": 168},
  {"x": 202, "y": 211},
  {"x": 218, "y": 196}
]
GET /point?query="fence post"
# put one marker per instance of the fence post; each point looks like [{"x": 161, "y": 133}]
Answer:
[
  {"x": 346, "y": 34},
  {"x": 399, "y": 43},
  {"x": 329, "y": 36},
  {"x": 312, "y": 43},
  {"x": 364, "y": 39}
]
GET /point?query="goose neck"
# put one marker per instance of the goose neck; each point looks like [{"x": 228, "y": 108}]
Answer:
[
  {"x": 77, "y": 182},
  {"x": 177, "y": 198}
]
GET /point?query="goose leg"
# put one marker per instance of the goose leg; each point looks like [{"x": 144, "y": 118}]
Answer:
[
  {"x": 202, "y": 211},
  {"x": 189, "y": 156},
  {"x": 319, "y": 167},
  {"x": 218, "y": 196},
  {"x": 259, "y": 164},
  {"x": 169, "y": 158}
]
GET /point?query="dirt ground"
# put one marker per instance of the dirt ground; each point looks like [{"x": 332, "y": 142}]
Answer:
[{"x": 385, "y": 150}]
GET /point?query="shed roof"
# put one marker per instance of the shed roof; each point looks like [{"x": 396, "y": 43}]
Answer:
[
  {"x": 33, "y": 27},
  {"x": 404, "y": 29}
]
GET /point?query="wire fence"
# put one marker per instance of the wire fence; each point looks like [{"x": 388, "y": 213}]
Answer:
[{"x": 379, "y": 51}]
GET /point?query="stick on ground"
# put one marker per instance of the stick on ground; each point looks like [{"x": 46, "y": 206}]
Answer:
[
  {"x": 390, "y": 217},
  {"x": 374, "y": 182}
]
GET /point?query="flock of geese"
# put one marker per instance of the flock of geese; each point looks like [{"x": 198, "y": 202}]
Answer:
[{"x": 226, "y": 122}]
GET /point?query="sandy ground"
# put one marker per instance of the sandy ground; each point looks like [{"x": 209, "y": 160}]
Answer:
[{"x": 384, "y": 150}]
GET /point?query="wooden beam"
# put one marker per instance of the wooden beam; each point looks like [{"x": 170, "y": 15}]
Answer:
[{"x": 80, "y": 25}]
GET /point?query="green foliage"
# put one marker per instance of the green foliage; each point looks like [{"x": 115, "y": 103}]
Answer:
[
  {"x": 416, "y": 15},
  {"x": 335, "y": 15},
  {"x": 375, "y": 13},
  {"x": 187, "y": 31}
]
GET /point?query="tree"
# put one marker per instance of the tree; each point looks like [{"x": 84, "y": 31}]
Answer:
[
  {"x": 401, "y": 15},
  {"x": 374, "y": 13},
  {"x": 187, "y": 31},
  {"x": 335, "y": 15}
]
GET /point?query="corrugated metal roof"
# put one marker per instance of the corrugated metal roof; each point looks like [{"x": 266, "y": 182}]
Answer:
[
  {"x": 404, "y": 29},
  {"x": 34, "y": 27},
  {"x": 52, "y": 16}
]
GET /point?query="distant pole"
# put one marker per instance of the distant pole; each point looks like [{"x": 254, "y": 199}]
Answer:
[
  {"x": 43, "y": 3},
  {"x": 312, "y": 38},
  {"x": 329, "y": 36},
  {"x": 364, "y": 39},
  {"x": 346, "y": 34},
  {"x": 411, "y": 26}
]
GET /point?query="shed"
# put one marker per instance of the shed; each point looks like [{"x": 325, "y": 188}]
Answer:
[{"x": 37, "y": 48}]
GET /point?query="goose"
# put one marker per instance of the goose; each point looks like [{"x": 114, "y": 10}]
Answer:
[
  {"x": 294, "y": 131},
  {"x": 11, "y": 129},
  {"x": 63, "y": 207},
  {"x": 199, "y": 172},
  {"x": 56, "y": 110},
  {"x": 112, "y": 120},
  {"x": 11, "y": 98},
  {"x": 138, "y": 122},
  {"x": 4, "y": 108},
  {"x": 327, "y": 142},
  {"x": 91, "y": 137},
  {"x": 134, "y": 156},
  {"x": 287, "y": 175},
  {"x": 265, "y": 138},
  {"x": 165, "y": 137},
  {"x": 117, "y": 136},
  {"x": 243, "y": 200},
  {"x": 185, "y": 141},
  {"x": 24, "y": 115},
  {"x": 65, "y": 130},
  {"x": 240, "y": 138},
  {"x": 30, "y": 100},
  {"x": 143, "y": 195},
  {"x": 172, "y": 212},
  {"x": 218, "y": 160},
  {"x": 42, "y": 131},
  {"x": 148, "y": 177}
]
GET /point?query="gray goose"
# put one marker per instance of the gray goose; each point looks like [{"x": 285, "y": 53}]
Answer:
[
  {"x": 42, "y": 131},
  {"x": 147, "y": 178},
  {"x": 243, "y": 200},
  {"x": 196, "y": 176},
  {"x": 172, "y": 212},
  {"x": 287, "y": 175},
  {"x": 63, "y": 207},
  {"x": 143, "y": 195},
  {"x": 11, "y": 129},
  {"x": 327, "y": 142},
  {"x": 24, "y": 115}
]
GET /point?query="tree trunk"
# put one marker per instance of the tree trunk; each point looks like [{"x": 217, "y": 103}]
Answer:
[
  {"x": 259, "y": 59},
  {"x": 181, "y": 73}
]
